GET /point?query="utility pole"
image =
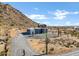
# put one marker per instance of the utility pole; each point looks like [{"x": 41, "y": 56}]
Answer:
[
  {"x": 46, "y": 43},
  {"x": 58, "y": 32}
]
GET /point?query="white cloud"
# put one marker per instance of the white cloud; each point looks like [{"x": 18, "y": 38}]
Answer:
[
  {"x": 37, "y": 16},
  {"x": 59, "y": 17},
  {"x": 36, "y": 8},
  {"x": 62, "y": 14},
  {"x": 76, "y": 12}
]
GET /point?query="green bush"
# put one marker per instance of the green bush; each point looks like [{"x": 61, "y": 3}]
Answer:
[{"x": 2, "y": 53}]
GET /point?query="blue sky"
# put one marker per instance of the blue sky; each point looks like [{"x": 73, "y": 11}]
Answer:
[{"x": 50, "y": 13}]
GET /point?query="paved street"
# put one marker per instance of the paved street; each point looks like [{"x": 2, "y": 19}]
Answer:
[{"x": 20, "y": 46}]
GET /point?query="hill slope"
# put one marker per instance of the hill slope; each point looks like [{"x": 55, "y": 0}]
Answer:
[{"x": 13, "y": 18}]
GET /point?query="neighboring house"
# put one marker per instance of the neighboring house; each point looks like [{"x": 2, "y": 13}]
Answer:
[
  {"x": 32, "y": 31},
  {"x": 76, "y": 28}
]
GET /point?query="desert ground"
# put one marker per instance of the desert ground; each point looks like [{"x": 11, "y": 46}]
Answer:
[{"x": 57, "y": 43}]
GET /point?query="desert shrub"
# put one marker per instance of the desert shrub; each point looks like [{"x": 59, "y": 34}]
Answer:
[
  {"x": 43, "y": 51},
  {"x": 2, "y": 53},
  {"x": 60, "y": 43},
  {"x": 67, "y": 45},
  {"x": 51, "y": 49},
  {"x": 77, "y": 45},
  {"x": 71, "y": 46},
  {"x": 12, "y": 24}
]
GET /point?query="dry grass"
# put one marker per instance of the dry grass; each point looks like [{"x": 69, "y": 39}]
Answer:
[
  {"x": 39, "y": 47},
  {"x": 2, "y": 47}
]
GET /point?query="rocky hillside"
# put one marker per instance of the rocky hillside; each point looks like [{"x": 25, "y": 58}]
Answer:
[{"x": 13, "y": 18}]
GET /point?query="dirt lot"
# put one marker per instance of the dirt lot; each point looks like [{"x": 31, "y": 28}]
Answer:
[{"x": 56, "y": 46}]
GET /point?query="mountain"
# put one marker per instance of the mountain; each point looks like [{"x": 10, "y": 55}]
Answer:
[{"x": 13, "y": 18}]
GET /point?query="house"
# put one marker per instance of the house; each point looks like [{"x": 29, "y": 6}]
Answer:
[
  {"x": 76, "y": 28},
  {"x": 32, "y": 31}
]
